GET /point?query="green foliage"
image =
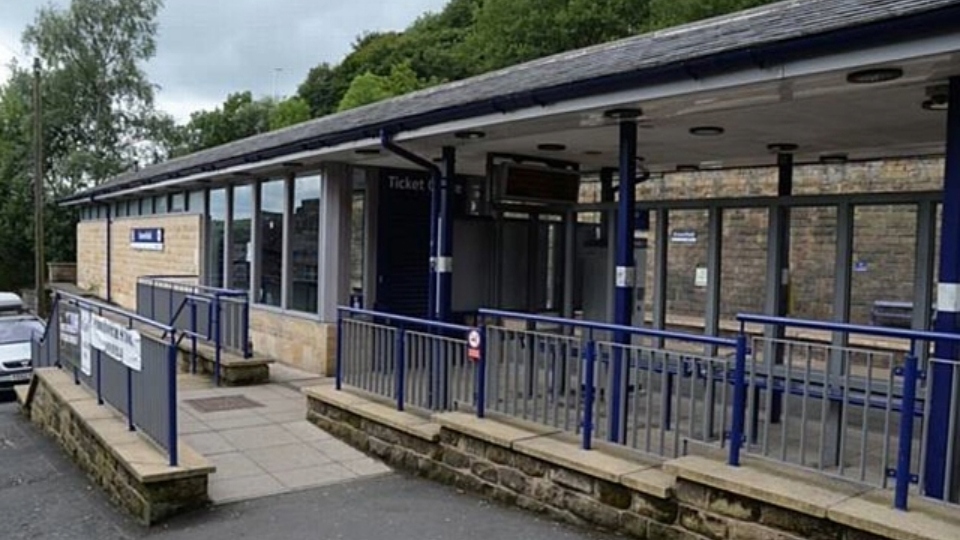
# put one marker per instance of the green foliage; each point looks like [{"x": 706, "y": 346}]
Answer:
[
  {"x": 370, "y": 88},
  {"x": 98, "y": 120},
  {"x": 318, "y": 91},
  {"x": 667, "y": 13},
  {"x": 289, "y": 112}
]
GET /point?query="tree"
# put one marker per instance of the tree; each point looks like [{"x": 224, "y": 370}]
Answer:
[
  {"x": 289, "y": 112},
  {"x": 319, "y": 92},
  {"x": 98, "y": 119},
  {"x": 667, "y": 13},
  {"x": 98, "y": 101},
  {"x": 370, "y": 88},
  {"x": 507, "y": 32}
]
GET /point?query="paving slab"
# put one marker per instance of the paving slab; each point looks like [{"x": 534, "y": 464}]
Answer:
[
  {"x": 274, "y": 459},
  {"x": 319, "y": 475},
  {"x": 269, "y": 448}
]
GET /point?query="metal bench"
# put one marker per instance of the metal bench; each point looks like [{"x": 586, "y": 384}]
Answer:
[{"x": 894, "y": 314}]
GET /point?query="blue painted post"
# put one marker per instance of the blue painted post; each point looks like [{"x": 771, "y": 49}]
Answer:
[
  {"x": 339, "y": 368},
  {"x": 216, "y": 340},
  {"x": 739, "y": 398},
  {"x": 99, "y": 381},
  {"x": 432, "y": 312},
  {"x": 400, "y": 359},
  {"x": 590, "y": 362},
  {"x": 625, "y": 271},
  {"x": 948, "y": 306},
  {"x": 193, "y": 338},
  {"x": 905, "y": 440},
  {"x": 481, "y": 382},
  {"x": 172, "y": 400},
  {"x": 445, "y": 233},
  {"x": 130, "y": 425},
  {"x": 247, "y": 349}
]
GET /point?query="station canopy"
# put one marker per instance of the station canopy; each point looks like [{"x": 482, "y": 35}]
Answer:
[{"x": 865, "y": 79}]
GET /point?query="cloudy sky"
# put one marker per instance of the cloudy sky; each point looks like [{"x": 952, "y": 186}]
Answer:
[{"x": 208, "y": 48}]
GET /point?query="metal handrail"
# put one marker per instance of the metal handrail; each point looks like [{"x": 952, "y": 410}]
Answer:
[
  {"x": 898, "y": 333},
  {"x": 404, "y": 319},
  {"x": 86, "y": 302},
  {"x": 606, "y": 327}
]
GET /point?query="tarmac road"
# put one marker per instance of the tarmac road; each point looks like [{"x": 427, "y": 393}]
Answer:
[{"x": 43, "y": 495}]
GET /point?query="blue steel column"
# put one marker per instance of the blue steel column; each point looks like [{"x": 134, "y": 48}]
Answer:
[
  {"x": 445, "y": 240},
  {"x": 625, "y": 271},
  {"x": 434, "y": 217},
  {"x": 948, "y": 319}
]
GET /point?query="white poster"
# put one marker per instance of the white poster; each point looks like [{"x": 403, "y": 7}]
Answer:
[
  {"x": 117, "y": 341},
  {"x": 69, "y": 328},
  {"x": 86, "y": 335}
]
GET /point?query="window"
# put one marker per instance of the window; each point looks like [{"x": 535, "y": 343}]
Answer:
[
  {"x": 216, "y": 223},
  {"x": 195, "y": 202},
  {"x": 272, "y": 203},
  {"x": 178, "y": 202},
  {"x": 133, "y": 207},
  {"x": 305, "y": 244},
  {"x": 241, "y": 251},
  {"x": 160, "y": 204},
  {"x": 120, "y": 209}
]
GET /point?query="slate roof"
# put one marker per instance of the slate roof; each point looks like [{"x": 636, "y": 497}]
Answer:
[{"x": 698, "y": 47}]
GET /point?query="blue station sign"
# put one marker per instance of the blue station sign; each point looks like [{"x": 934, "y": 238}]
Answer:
[{"x": 147, "y": 239}]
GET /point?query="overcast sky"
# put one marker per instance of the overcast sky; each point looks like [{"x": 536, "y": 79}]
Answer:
[{"x": 208, "y": 48}]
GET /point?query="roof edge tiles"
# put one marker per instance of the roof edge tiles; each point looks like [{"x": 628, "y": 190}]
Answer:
[{"x": 766, "y": 35}]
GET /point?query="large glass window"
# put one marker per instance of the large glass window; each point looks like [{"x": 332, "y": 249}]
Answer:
[
  {"x": 160, "y": 204},
  {"x": 272, "y": 204},
  {"x": 195, "y": 202},
  {"x": 216, "y": 223},
  {"x": 178, "y": 202},
  {"x": 304, "y": 244},
  {"x": 241, "y": 251},
  {"x": 133, "y": 207}
]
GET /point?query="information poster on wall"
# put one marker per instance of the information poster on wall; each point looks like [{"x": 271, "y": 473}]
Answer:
[
  {"x": 69, "y": 328},
  {"x": 86, "y": 338},
  {"x": 117, "y": 341}
]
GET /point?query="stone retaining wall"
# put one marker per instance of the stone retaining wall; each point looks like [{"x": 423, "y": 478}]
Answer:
[
  {"x": 66, "y": 417},
  {"x": 686, "y": 510}
]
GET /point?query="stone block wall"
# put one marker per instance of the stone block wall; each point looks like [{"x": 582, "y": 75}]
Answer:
[
  {"x": 884, "y": 237},
  {"x": 297, "y": 340},
  {"x": 181, "y": 255},
  {"x": 690, "y": 511},
  {"x": 147, "y": 502},
  {"x": 92, "y": 256}
]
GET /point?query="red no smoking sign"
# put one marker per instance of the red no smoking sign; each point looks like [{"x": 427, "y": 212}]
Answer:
[{"x": 473, "y": 345}]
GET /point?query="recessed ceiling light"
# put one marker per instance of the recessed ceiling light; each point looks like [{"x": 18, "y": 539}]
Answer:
[
  {"x": 934, "y": 105},
  {"x": 937, "y": 98},
  {"x": 833, "y": 159},
  {"x": 623, "y": 114},
  {"x": 688, "y": 168},
  {"x": 551, "y": 147},
  {"x": 782, "y": 148},
  {"x": 470, "y": 135},
  {"x": 706, "y": 131},
  {"x": 711, "y": 165},
  {"x": 874, "y": 75},
  {"x": 368, "y": 151}
]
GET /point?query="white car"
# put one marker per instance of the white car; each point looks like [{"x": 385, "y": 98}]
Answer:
[{"x": 17, "y": 330}]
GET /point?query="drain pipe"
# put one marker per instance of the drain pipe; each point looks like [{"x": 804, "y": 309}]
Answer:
[
  {"x": 109, "y": 250},
  {"x": 433, "y": 311}
]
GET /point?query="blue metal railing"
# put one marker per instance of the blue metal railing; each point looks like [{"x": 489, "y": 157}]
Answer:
[
  {"x": 220, "y": 317},
  {"x": 848, "y": 388},
  {"x": 859, "y": 403},
  {"x": 556, "y": 371},
  {"x": 146, "y": 395},
  {"x": 409, "y": 360}
]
